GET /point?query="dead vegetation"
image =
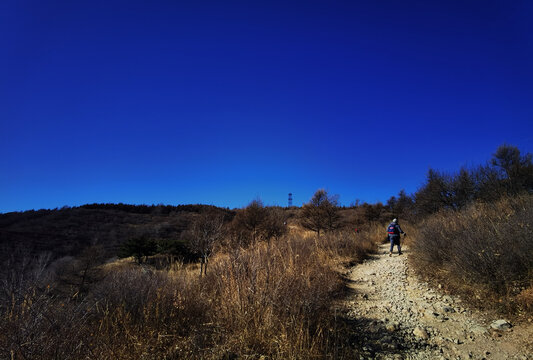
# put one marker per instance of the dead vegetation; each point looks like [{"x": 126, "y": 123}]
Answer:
[
  {"x": 273, "y": 272},
  {"x": 483, "y": 252},
  {"x": 270, "y": 298}
]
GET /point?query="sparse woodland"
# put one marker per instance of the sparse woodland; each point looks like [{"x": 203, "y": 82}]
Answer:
[{"x": 199, "y": 282}]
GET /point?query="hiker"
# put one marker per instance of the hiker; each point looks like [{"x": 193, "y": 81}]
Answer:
[{"x": 394, "y": 230}]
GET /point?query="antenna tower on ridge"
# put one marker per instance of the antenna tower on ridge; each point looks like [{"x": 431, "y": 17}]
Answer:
[{"x": 290, "y": 199}]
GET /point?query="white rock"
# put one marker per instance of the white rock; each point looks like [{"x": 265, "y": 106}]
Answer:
[{"x": 501, "y": 325}]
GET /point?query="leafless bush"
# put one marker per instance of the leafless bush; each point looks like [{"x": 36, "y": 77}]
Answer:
[
  {"x": 21, "y": 273},
  {"x": 275, "y": 224},
  {"x": 41, "y": 327},
  {"x": 76, "y": 275},
  {"x": 203, "y": 235},
  {"x": 34, "y": 324},
  {"x": 250, "y": 220},
  {"x": 485, "y": 247},
  {"x": 256, "y": 223}
]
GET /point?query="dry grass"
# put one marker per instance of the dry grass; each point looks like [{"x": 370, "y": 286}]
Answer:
[
  {"x": 352, "y": 247},
  {"x": 525, "y": 298},
  {"x": 273, "y": 299},
  {"x": 483, "y": 251}
]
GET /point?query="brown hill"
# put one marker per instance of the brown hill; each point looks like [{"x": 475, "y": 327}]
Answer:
[{"x": 67, "y": 231}]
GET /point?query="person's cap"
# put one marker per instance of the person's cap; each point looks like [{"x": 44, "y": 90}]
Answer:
[{"x": 394, "y": 220}]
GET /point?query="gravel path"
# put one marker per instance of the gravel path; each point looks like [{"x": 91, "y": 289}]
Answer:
[{"x": 399, "y": 317}]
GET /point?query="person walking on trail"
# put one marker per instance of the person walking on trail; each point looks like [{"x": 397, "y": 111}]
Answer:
[{"x": 394, "y": 230}]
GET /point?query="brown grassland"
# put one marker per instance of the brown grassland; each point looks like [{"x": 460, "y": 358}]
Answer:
[{"x": 269, "y": 299}]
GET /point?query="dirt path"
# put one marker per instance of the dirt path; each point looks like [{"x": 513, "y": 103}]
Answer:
[{"x": 400, "y": 317}]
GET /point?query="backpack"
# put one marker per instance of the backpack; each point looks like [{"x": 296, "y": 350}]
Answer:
[{"x": 393, "y": 230}]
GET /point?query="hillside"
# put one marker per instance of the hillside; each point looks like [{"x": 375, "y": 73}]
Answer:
[
  {"x": 287, "y": 294},
  {"x": 68, "y": 231}
]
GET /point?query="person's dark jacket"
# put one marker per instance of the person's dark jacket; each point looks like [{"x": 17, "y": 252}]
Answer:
[{"x": 394, "y": 230}]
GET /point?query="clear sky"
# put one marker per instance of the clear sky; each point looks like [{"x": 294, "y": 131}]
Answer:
[{"x": 221, "y": 102}]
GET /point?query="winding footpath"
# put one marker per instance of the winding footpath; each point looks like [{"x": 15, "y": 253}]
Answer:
[{"x": 400, "y": 317}]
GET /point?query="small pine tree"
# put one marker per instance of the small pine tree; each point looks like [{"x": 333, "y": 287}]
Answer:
[
  {"x": 139, "y": 248},
  {"x": 321, "y": 213}
]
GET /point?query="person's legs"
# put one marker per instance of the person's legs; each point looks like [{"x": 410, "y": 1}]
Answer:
[{"x": 399, "y": 247}]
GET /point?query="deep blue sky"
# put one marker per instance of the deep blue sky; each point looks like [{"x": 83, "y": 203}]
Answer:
[{"x": 222, "y": 102}]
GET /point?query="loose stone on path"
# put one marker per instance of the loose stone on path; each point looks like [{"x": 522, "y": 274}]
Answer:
[{"x": 401, "y": 317}]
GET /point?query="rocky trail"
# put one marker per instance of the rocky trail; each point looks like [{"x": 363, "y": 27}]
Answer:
[{"x": 401, "y": 317}]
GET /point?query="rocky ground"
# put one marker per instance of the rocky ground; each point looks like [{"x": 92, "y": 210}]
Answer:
[{"x": 400, "y": 317}]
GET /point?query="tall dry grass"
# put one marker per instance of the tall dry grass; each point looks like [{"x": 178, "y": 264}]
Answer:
[
  {"x": 272, "y": 299},
  {"x": 483, "y": 251}
]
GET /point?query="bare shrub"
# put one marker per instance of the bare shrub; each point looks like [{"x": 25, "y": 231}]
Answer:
[
  {"x": 41, "y": 327},
  {"x": 77, "y": 274},
  {"x": 256, "y": 223},
  {"x": 202, "y": 236},
  {"x": 275, "y": 224},
  {"x": 35, "y": 324},
  {"x": 485, "y": 248},
  {"x": 247, "y": 226},
  {"x": 22, "y": 273}
]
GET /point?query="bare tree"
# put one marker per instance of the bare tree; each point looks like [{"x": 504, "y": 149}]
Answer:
[
  {"x": 252, "y": 218},
  {"x": 275, "y": 224},
  {"x": 84, "y": 270},
  {"x": 249, "y": 223},
  {"x": 321, "y": 213},
  {"x": 331, "y": 210},
  {"x": 204, "y": 232}
]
